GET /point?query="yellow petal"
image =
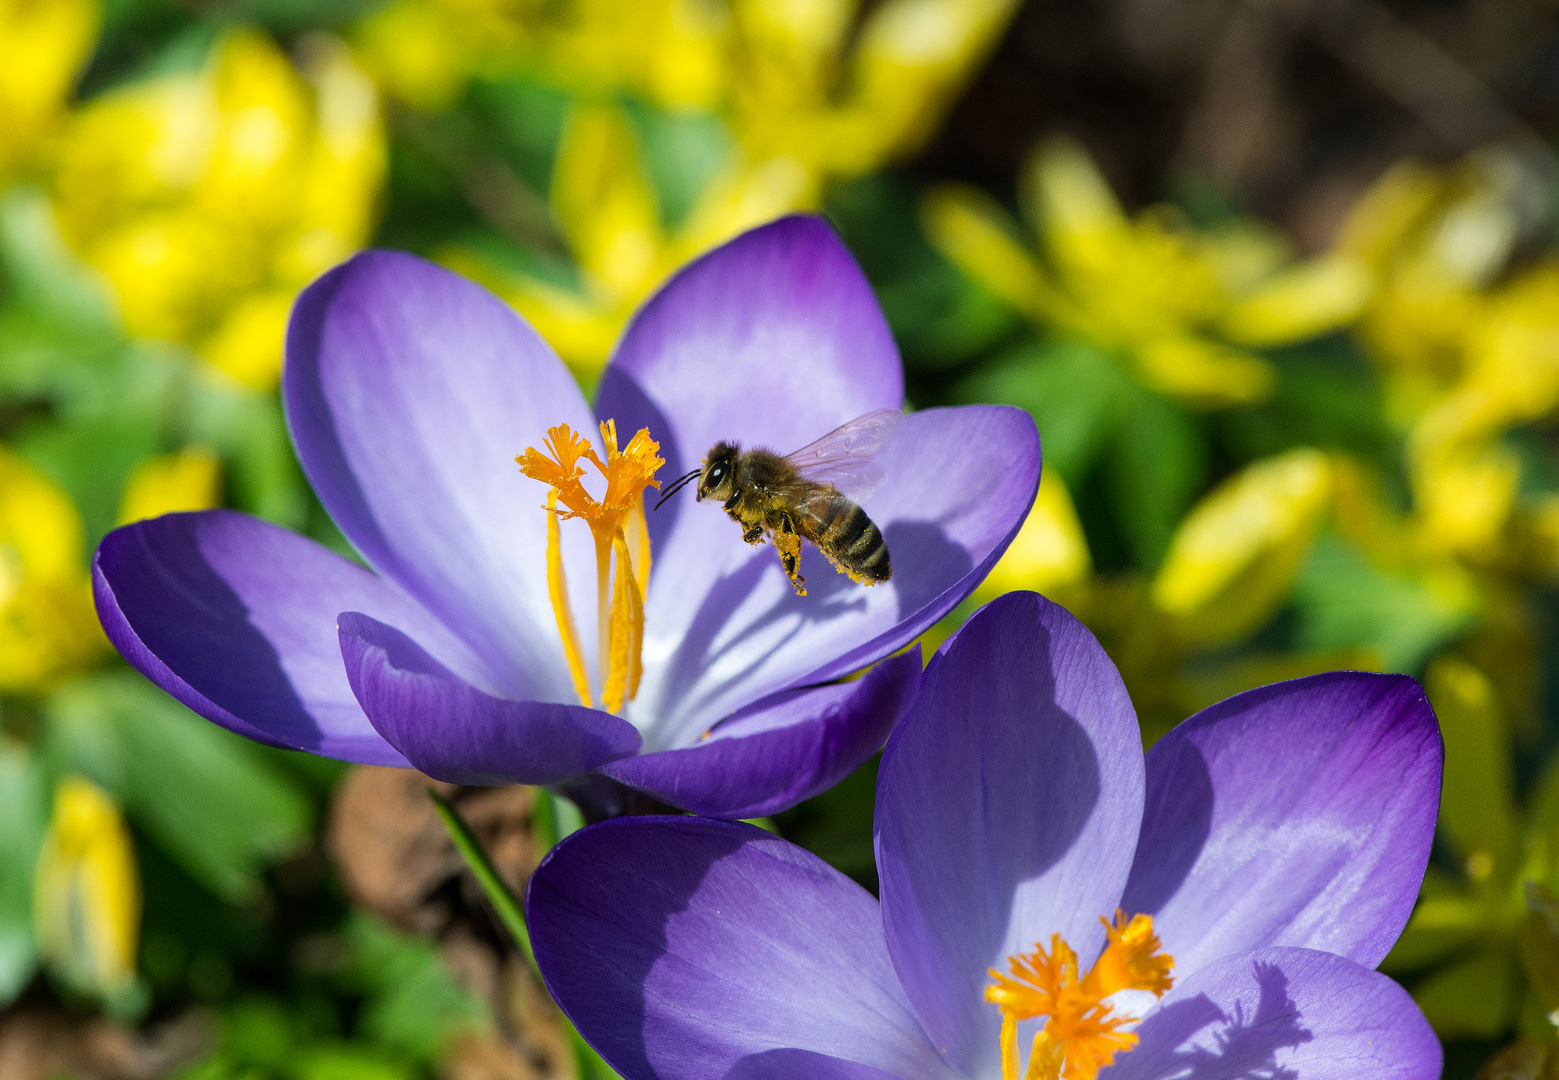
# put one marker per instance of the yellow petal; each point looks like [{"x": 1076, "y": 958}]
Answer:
[
  {"x": 1397, "y": 203},
  {"x": 344, "y": 169},
  {"x": 1063, "y": 193},
  {"x": 86, "y": 891},
  {"x": 1204, "y": 373},
  {"x": 1049, "y": 553},
  {"x": 188, "y": 480},
  {"x": 604, "y": 203},
  {"x": 1233, "y": 559},
  {"x": 415, "y": 49},
  {"x": 1305, "y": 301},
  {"x": 972, "y": 230},
  {"x": 741, "y": 197},
  {"x": 46, "y": 44},
  {"x": 48, "y": 627},
  {"x": 911, "y": 60},
  {"x": 247, "y": 346}
]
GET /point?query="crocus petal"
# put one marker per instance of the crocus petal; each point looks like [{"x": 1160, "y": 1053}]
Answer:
[
  {"x": 236, "y": 618},
  {"x": 773, "y": 755},
  {"x": 1008, "y": 805},
  {"x": 1296, "y": 814},
  {"x": 958, "y": 485},
  {"x": 1295, "y": 1013},
  {"x": 787, "y": 1064},
  {"x": 680, "y": 946},
  {"x": 773, "y": 339},
  {"x": 452, "y": 731},
  {"x": 409, "y": 391}
]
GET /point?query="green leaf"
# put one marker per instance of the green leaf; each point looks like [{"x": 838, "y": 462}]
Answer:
[
  {"x": 1471, "y": 999},
  {"x": 414, "y": 1003},
  {"x": 1538, "y": 944},
  {"x": 24, "y": 812},
  {"x": 348, "y": 1062},
  {"x": 250, "y": 433},
  {"x": 1342, "y": 600},
  {"x": 1477, "y": 801},
  {"x": 1078, "y": 395},
  {"x": 201, "y": 792},
  {"x": 44, "y": 275},
  {"x": 1157, "y": 465},
  {"x": 1439, "y": 927}
]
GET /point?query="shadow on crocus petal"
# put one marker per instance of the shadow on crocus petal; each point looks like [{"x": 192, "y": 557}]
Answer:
[
  {"x": 638, "y": 920},
  {"x": 1212, "y": 1045},
  {"x": 621, "y": 400},
  {"x": 926, "y": 563},
  {"x": 171, "y": 610},
  {"x": 788, "y": 1064},
  {"x": 1177, "y": 815}
]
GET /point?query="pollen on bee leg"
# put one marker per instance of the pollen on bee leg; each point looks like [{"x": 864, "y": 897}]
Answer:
[
  {"x": 788, "y": 544},
  {"x": 1083, "y": 1033}
]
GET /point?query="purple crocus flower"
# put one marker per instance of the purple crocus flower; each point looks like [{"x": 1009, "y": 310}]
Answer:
[
  {"x": 409, "y": 392},
  {"x": 1270, "y": 847}
]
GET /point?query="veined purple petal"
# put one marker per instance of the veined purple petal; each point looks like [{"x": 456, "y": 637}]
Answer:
[
  {"x": 236, "y": 618},
  {"x": 959, "y": 483},
  {"x": 1300, "y": 1014},
  {"x": 1296, "y": 814},
  {"x": 681, "y": 947},
  {"x": 773, "y": 755},
  {"x": 452, "y": 731},
  {"x": 1008, "y": 805},
  {"x": 409, "y": 392},
  {"x": 788, "y": 1064}
]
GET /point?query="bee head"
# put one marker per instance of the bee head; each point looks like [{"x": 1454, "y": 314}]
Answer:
[{"x": 718, "y": 479}]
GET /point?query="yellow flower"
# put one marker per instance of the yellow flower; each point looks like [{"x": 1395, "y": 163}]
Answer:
[
  {"x": 1435, "y": 240},
  {"x": 1233, "y": 559},
  {"x": 48, "y": 628},
  {"x": 607, "y": 211},
  {"x": 188, "y": 480},
  {"x": 86, "y": 892},
  {"x": 1184, "y": 309},
  {"x": 813, "y": 83},
  {"x": 46, "y": 44},
  {"x": 1050, "y": 554},
  {"x": 208, "y": 199},
  {"x": 809, "y": 86}
]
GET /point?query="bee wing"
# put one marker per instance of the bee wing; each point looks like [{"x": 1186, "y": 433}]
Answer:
[{"x": 843, "y": 457}]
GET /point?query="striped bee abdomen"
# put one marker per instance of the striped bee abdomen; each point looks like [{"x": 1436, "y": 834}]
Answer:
[{"x": 842, "y": 531}]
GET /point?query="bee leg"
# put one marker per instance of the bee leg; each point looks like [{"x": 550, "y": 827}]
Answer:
[
  {"x": 753, "y": 534},
  {"x": 788, "y": 543}
]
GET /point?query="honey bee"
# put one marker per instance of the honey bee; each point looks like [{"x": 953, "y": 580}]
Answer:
[{"x": 799, "y": 496}]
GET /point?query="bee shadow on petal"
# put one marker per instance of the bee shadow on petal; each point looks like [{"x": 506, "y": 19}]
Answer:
[{"x": 1199, "y": 1041}]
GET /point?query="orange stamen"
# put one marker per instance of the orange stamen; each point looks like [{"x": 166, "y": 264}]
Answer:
[
  {"x": 1083, "y": 1033},
  {"x": 619, "y": 610}
]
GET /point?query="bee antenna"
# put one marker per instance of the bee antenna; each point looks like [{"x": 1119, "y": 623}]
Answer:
[{"x": 677, "y": 485}]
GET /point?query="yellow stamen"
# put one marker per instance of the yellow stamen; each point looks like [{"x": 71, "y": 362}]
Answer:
[
  {"x": 619, "y": 610},
  {"x": 627, "y": 632},
  {"x": 557, "y": 588},
  {"x": 1083, "y": 1034},
  {"x": 638, "y": 533}
]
